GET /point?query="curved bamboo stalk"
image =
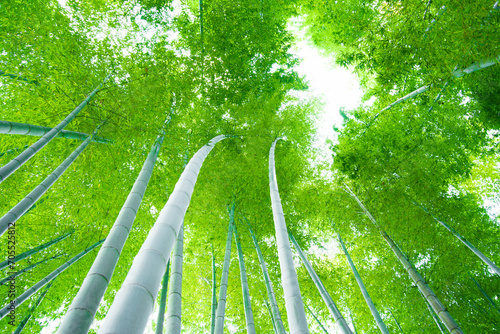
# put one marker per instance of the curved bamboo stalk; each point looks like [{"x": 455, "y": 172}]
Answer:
[
  {"x": 276, "y": 316},
  {"x": 35, "y": 250},
  {"x": 138, "y": 293},
  {"x": 244, "y": 286},
  {"x": 163, "y": 300},
  {"x": 81, "y": 313},
  {"x": 174, "y": 309},
  {"x": 23, "y": 322},
  {"x": 293, "y": 300},
  {"x": 20, "y": 208},
  {"x": 380, "y": 323},
  {"x": 334, "y": 311},
  {"x": 221, "y": 307},
  {"x": 426, "y": 291},
  {"x": 28, "y": 293},
  {"x": 13, "y": 128},
  {"x": 13, "y": 165}
]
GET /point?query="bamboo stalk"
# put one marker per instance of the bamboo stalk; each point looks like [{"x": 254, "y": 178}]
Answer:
[
  {"x": 163, "y": 300},
  {"x": 24, "y": 322},
  {"x": 174, "y": 309},
  {"x": 293, "y": 299},
  {"x": 214, "y": 296},
  {"x": 317, "y": 320}
]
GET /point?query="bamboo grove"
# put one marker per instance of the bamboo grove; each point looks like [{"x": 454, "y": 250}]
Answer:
[{"x": 159, "y": 169}]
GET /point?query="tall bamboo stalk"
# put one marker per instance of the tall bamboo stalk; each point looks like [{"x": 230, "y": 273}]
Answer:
[
  {"x": 13, "y": 128},
  {"x": 174, "y": 309},
  {"x": 317, "y": 320},
  {"x": 270, "y": 314},
  {"x": 476, "y": 251},
  {"x": 334, "y": 311},
  {"x": 244, "y": 286},
  {"x": 35, "y": 250},
  {"x": 380, "y": 323},
  {"x": 81, "y": 313},
  {"x": 426, "y": 291},
  {"x": 163, "y": 300},
  {"x": 17, "y": 162},
  {"x": 396, "y": 321},
  {"x": 138, "y": 293},
  {"x": 20, "y": 208},
  {"x": 488, "y": 298},
  {"x": 28, "y": 293},
  {"x": 276, "y": 316},
  {"x": 214, "y": 294},
  {"x": 221, "y": 306},
  {"x": 32, "y": 309},
  {"x": 293, "y": 300}
]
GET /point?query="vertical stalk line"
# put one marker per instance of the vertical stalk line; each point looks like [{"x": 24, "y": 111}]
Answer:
[
  {"x": 10, "y": 218},
  {"x": 317, "y": 320},
  {"x": 380, "y": 323},
  {"x": 244, "y": 287},
  {"x": 18, "y": 161},
  {"x": 330, "y": 304},
  {"x": 214, "y": 294},
  {"x": 81, "y": 313},
  {"x": 32, "y": 309},
  {"x": 135, "y": 300},
  {"x": 35, "y": 250},
  {"x": 28, "y": 293},
  {"x": 276, "y": 317},
  {"x": 174, "y": 308},
  {"x": 293, "y": 300},
  {"x": 476, "y": 251},
  {"x": 163, "y": 300},
  {"x": 419, "y": 281},
  {"x": 221, "y": 307}
]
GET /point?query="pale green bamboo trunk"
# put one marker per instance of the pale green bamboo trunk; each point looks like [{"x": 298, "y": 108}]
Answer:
[
  {"x": 221, "y": 306},
  {"x": 174, "y": 310},
  {"x": 163, "y": 301},
  {"x": 276, "y": 316},
  {"x": 317, "y": 320},
  {"x": 32, "y": 251},
  {"x": 293, "y": 300},
  {"x": 81, "y": 313},
  {"x": 380, "y": 323},
  {"x": 32, "y": 309},
  {"x": 244, "y": 287},
  {"x": 138, "y": 293},
  {"x": 28, "y": 293},
  {"x": 17, "y": 162},
  {"x": 20, "y": 208},
  {"x": 436, "y": 320},
  {"x": 28, "y": 268},
  {"x": 214, "y": 294},
  {"x": 426, "y": 291},
  {"x": 334, "y": 311},
  {"x": 13, "y": 128},
  {"x": 476, "y": 251}
]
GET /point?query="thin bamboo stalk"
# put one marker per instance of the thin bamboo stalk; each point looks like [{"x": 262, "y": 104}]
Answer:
[
  {"x": 221, "y": 307},
  {"x": 214, "y": 294},
  {"x": 426, "y": 291},
  {"x": 32, "y": 309},
  {"x": 317, "y": 320},
  {"x": 396, "y": 321},
  {"x": 293, "y": 300},
  {"x": 28, "y": 293},
  {"x": 81, "y": 313},
  {"x": 13, "y": 128},
  {"x": 334, "y": 311},
  {"x": 25, "y": 269},
  {"x": 488, "y": 298},
  {"x": 244, "y": 286},
  {"x": 380, "y": 323},
  {"x": 280, "y": 329},
  {"x": 174, "y": 309},
  {"x": 270, "y": 314},
  {"x": 10, "y": 218},
  {"x": 138, "y": 293},
  {"x": 17, "y": 162},
  {"x": 163, "y": 300},
  {"x": 35, "y": 250}
]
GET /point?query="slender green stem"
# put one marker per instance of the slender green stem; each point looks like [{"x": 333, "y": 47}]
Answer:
[
  {"x": 24, "y": 322},
  {"x": 485, "y": 295},
  {"x": 316, "y": 318},
  {"x": 163, "y": 300},
  {"x": 214, "y": 294}
]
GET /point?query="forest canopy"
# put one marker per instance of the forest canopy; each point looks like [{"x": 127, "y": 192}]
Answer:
[{"x": 161, "y": 78}]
